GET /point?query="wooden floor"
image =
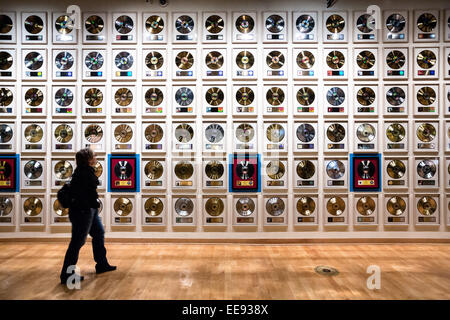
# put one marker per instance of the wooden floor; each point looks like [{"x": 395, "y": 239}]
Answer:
[{"x": 229, "y": 271}]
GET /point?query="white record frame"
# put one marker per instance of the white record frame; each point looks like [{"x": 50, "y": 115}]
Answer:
[
  {"x": 95, "y": 57},
  {"x": 303, "y": 66},
  {"x": 341, "y": 219},
  {"x": 119, "y": 57},
  {"x": 126, "y": 146},
  {"x": 278, "y": 219},
  {"x": 34, "y": 38},
  {"x": 424, "y": 219},
  {"x": 150, "y": 141},
  {"x": 94, "y": 100},
  {"x": 400, "y": 217},
  {"x": 402, "y": 128},
  {"x": 39, "y": 74},
  {"x": 185, "y": 220},
  {"x": 277, "y": 164},
  {"x": 154, "y": 220},
  {"x": 310, "y": 217},
  {"x": 365, "y": 219},
  {"x": 158, "y": 182},
  {"x": 69, "y": 146},
  {"x": 250, "y": 219},
  {"x": 149, "y": 57},
  {"x": 219, "y": 73},
  {"x": 90, "y": 128},
  {"x": 393, "y": 33},
  {"x": 120, "y": 220},
  {"x": 215, "y": 37},
  {"x": 303, "y": 143},
  {"x": 339, "y": 182},
  {"x": 10, "y": 37},
  {"x": 10, "y": 73},
  {"x": 100, "y": 26},
  {"x": 151, "y": 18},
  {"x": 219, "y": 220},
  {"x": 62, "y": 108},
  {"x": 427, "y": 36},
  {"x": 180, "y": 37},
  {"x": 37, "y": 220},
  {"x": 394, "y": 183},
  {"x": 117, "y": 36},
  {"x": 33, "y": 183},
  {"x": 252, "y": 35},
  {"x": 309, "y": 29},
  {"x": 27, "y": 145},
  {"x": 61, "y": 37},
  {"x": 362, "y": 35},
  {"x": 214, "y": 108},
  {"x": 335, "y": 37},
  {"x": 311, "y": 181},
  {"x": 280, "y": 36},
  {"x": 427, "y": 73},
  {"x": 61, "y": 72},
  {"x": 9, "y": 108}
]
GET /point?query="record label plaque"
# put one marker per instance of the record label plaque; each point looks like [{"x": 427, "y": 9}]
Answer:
[
  {"x": 245, "y": 173},
  {"x": 365, "y": 172},
  {"x": 123, "y": 173}
]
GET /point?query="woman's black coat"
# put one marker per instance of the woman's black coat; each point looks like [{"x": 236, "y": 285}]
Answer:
[{"x": 84, "y": 188}]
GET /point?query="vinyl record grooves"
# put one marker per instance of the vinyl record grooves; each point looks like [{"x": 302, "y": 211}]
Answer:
[
  {"x": 305, "y": 59},
  {"x": 63, "y": 133},
  {"x": 123, "y": 97},
  {"x": 275, "y": 206},
  {"x": 33, "y": 169},
  {"x": 214, "y": 24},
  {"x": 245, "y": 96},
  {"x": 275, "y": 169},
  {"x": 306, "y": 206},
  {"x": 214, "y": 60},
  {"x": 396, "y": 169},
  {"x": 335, "y": 169},
  {"x": 214, "y": 169},
  {"x": 365, "y": 96},
  {"x": 426, "y": 96},
  {"x": 94, "y": 60},
  {"x": 395, "y": 23},
  {"x": 34, "y": 60},
  {"x": 365, "y": 206},
  {"x": 245, "y": 24},
  {"x": 124, "y": 60},
  {"x": 275, "y": 60},
  {"x": 153, "y": 206},
  {"x": 6, "y": 24},
  {"x": 154, "y": 24},
  {"x": 214, "y": 133},
  {"x": 426, "y": 132},
  {"x": 63, "y": 169},
  {"x": 6, "y": 97},
  {"x": 214, "y": 206},
  {"x": 214, "y": 96},
  {"x": 123, "y": 206},
  {"x": 33, "y": 133},
  {"x": 6, "y": 60},
  {"x": 426, "y": 169},
  {"x": 306, "y": 169},
  {"x": 395, "y": 59},
  {"x": 396, "y": 206},
  {"x": 123, "y": 133},
  {"x": 245, "y": 206},
  {"x": 335, "y": 96},
  {"x": 93, "y": 97},
  {"x": 245, "y": 170},
  {"x": 124, "y": 24},
  {"x": 275, "y": 23},
  {"x": 365, "y": 59},
  {"x": 94, "y": 24},
  {"x": 245, "y": 132},
  {"x": 335, "y": 59},
  {"x": 64, "y": 60},
  {"x": 305, "y": 132},
  {"x": 335, "y": 206},
  {"x": 64, "y": 97},
  {"x": 34, "y": 24},
  {"x": 93, "y": 133},
  {"x": 184, "y": 60},
  {"x": 154, "y": 60},
  {"x": 426, "y": 22},
  {"x": 365, "y": 23},
  {"x": 426, "y": 59},
  {"x": 366, "y": 169},
  {"x": 59, "y": 210},
  {"x": 395, "y": 132},
  {"x": 98, "y": 169},
  {"x": 5, "y": 206},
  {"x": 335, "y": 23},
  {"x": 245, "y": 60},
  {"x": 184, "y": 96},
  {"x": 395, "y": 96},
  {"x": 123, "y": 170},
  {"x": 427, "y": 206},
  {"x": 153, "y": 133},
  {"x": 275, "y": 96},
  {"x": 6, "y": 133},
  {"x": 184, "y": 133},
  {"x": 365, "y": 132},
  {"x": 184, "y": 207},
  {"x": 64, "y": 24},
  {"x": 184, "y": 170},
  {"x": 275, "y": 132},
  {"x": 184, "y": 24},
  {"x": 305, "y": 23},
  {"x": 154, "y": 169},
  {"x": 32, "y": 206},
  {"x": 335, "y": 132},
  {"x": 154, "y": 97}
]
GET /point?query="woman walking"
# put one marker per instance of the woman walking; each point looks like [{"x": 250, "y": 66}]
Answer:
[{"x": 83, "y": 214}]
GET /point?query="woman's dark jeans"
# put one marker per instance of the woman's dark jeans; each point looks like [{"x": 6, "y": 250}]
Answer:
[{"x": 85, "y": 222}]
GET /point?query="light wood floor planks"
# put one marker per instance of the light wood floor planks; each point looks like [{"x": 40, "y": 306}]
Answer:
[{"x": 229, "y": 271}]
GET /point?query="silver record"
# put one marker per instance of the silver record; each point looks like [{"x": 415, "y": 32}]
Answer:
[
  {"x": 365, "y": 132},
  {"x": 124, "y": 60},
  {"x": 34, "y": 60},
  {"x": 184, "y": 206},
  {"x": 184, "y": 133},
  {"x": 64, "y": 97},
  {"x": 335, "y": 169},
  {"x": 245, "y": 206},
  {"x": 305, "y": 132},
  {"x": 275, "y": 23},
  {"x": 335, "y": 96},
  {"x": 184, "y": 24},
  {"x": 275, "y": 206},
  {"x": 64, "y": 60},
  {"x": 395, "y": 96},
  {"x": 6, "y": 133},
  {"x": 124, "y": 24},
  {"x": 305, "y": 23},
  {"x": 365, "y": 23},
  {"x": 94, "y": 60},
  {"x": 214, "y": 133},
  {"x": 395, "y": 23},
  {"x": 33, "y": 169},
  {"x": 5, "y": 206},
  {"x": 184, "y": 96},
  {"x": 426, "y": 169}
]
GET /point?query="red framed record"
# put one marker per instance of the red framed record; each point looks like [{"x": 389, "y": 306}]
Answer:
[
  {"x": 245, "y": 173},
  {"x": 9, "y": 173},
  {"x": 365, "y": 172},
  {"x": 123, "y": 173}
]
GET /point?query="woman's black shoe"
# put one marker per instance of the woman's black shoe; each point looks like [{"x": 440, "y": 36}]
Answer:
[
  {"x": 101, "y": 269},
  {"x": 64, "y": 280}
]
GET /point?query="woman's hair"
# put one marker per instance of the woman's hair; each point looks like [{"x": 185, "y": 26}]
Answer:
[{"x": 83, "y": 156}]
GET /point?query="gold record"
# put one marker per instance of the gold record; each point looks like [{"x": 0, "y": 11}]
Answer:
[
  {"x": 214, "y": 169},
  {"x": 154, "y": 97},
  {"x": 153, "y": 133},
  {"x": 335, "y": 132},
  {"x": 93, "y": 133},
  {"x": 63, "y": 169},
  {"x": 396, "y": 206},
  {"x": 426, "y": 22},
  {"x": 426, "y": 96},
  {"x": 245, "y": 96},
  {"x": 59, "y": 210},
  {"x": 365, "y": 206},
  {"x": 214, "y": 60},
  {"x": 153, "y": 206},
  {"x": 306, "y": 206},
  {"x": 275, "y": 96},
  {"x": 34, "y": 97},
  {"x": 426, "y": 59},
  {"x": 123, "y": 206},
  {"x": 395, "y": 59},
  {"x": 426, "y": 206},
  {"x": 335, "y": 59},
  {"x": 275, "y": 59},
  {"x": 336, "y": 206},
  {"x": 93, "y": 97},
  {"x": 94, "y": 24},
  {"x": 63, "y": 133},
  {"x": 245, "y": 132},
  {"x": 154, "y": 24},
  {"x": 245, "y": 60},
  {"x": 123, "y": 97},
  {"x": 426, "y": 132},
  {"x": 365, "y": 59},
  {"x": 335, "y": 23},
  {"x": 395, "y": 132},
  {"x": 34, "y": 24},
  {"x": 275, "y": 206},
  {"x": 33, "y": 133},
  {"x": 184, "y": 170},
  {"x": 184, "y": 133},
  {"x": 32, "y": 206},
  {"x": 306, "y": 169},
  {"x": 305, "y": 96},
  {"x": 214, "y": 206},
  {"x": 396, "y": 169},
  {"x": 305, "y": 59},
  {"x": 275, "y": 169},
  {"x": 245, "y": 206},
  {"x": 214, "y": 24},
  {"x": 98, "y": 169},
  {"x": 365, "y": 96},
  {"x": 154, "y": 60},
  {"x": 6, "y": 97},
  {"x": 184, "y": 60},
  {"x": 214, "y": 96},
  {"x": 123, "y": 133},
  {"x": 245, "y": 24},
  {"x": 64, "y": 24},
  {"x": 153, "y": 169},
  {"x": 275, "y": 132}
]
